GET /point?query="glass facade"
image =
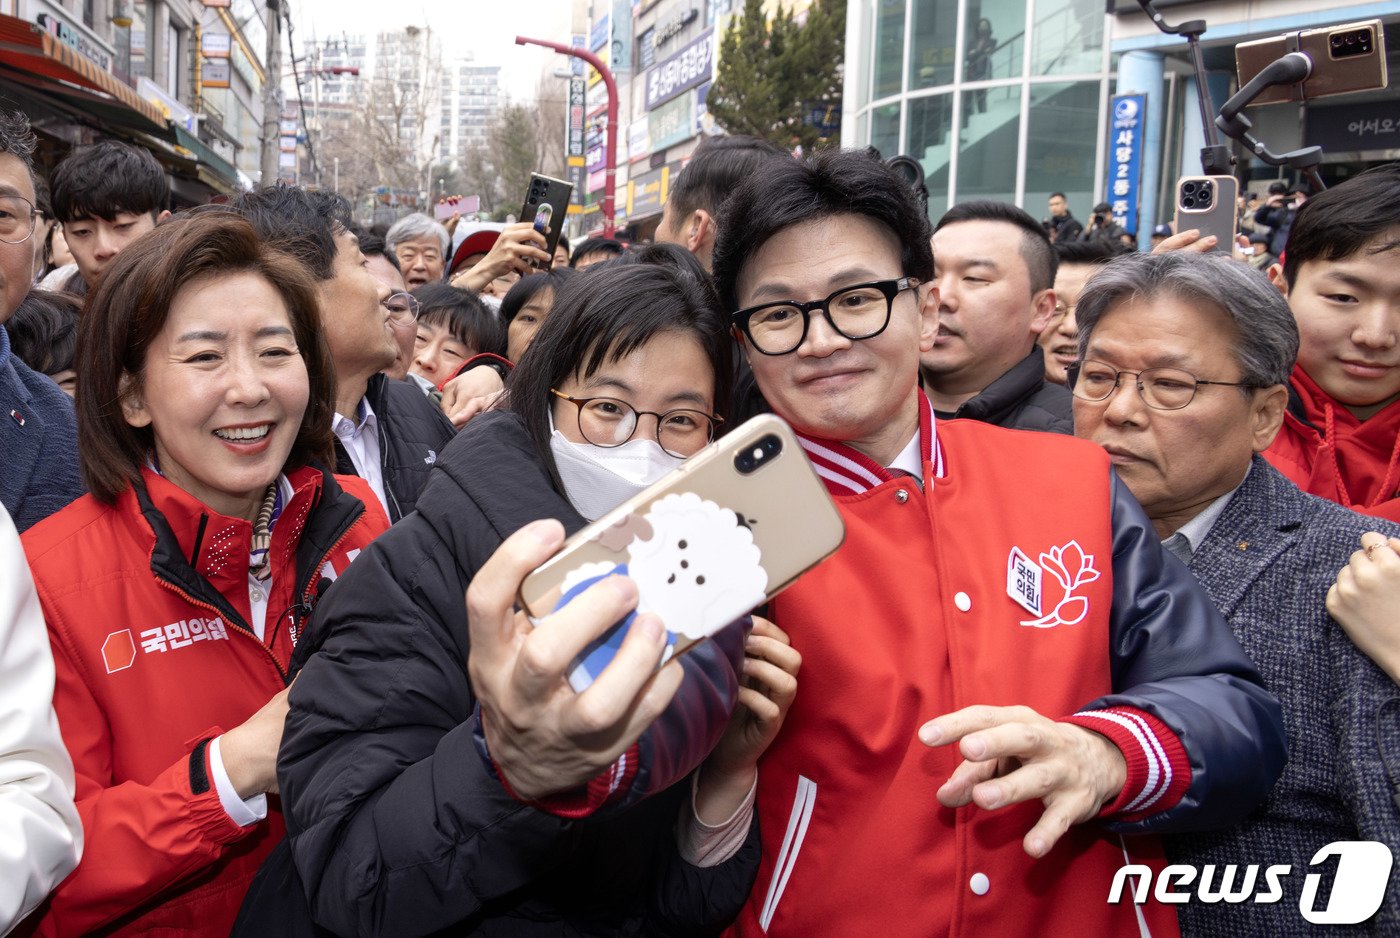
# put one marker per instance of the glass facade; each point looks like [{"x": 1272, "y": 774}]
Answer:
[{"x": 997, "y": 99}]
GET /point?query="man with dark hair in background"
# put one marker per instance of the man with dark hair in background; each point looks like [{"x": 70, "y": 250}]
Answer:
[
  {"x": 715, "y": 169},
  {"x": 994, "y": 269},
  {"x": 387, "y": 432},
  {"x": 595, "y": 251},
  {"x": 1061, "y": 225},
  {"x": 1277, "y": 214},
  {"x": 1341, "y": 274},
  {"x": 966, "y": 745},
  {"x": 1078, "y": 261},
  {"x": 385, "y": 267},
  {"x": 38, "y": 432},
  {"x": 106, "y": 196},
  {"x": 1101, "y": 228}
]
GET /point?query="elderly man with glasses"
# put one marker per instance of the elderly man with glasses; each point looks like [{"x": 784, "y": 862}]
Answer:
[
  {"x": 1002, "y": 668},
  {"x": 1183, "y": 380}
]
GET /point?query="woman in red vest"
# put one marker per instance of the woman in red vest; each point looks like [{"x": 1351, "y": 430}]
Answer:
[{"x": 175, "y": 591}]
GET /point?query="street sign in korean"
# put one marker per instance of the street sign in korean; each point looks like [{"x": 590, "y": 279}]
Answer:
[{"x": 1126, "y": 126}]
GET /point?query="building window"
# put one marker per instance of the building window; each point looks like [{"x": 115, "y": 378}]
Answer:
[
  {"x": 987, "y": 145},
  {"x": 1067, "y": 38},
  {"x": 1062, "y": 145},
  {"x": 933, "y": 55},
  {"x": 174, "y": 60},
  {"x": 889, "y": 48},
  {"x": 931, "y": 143},
  {"x": 884, "y": 134}
]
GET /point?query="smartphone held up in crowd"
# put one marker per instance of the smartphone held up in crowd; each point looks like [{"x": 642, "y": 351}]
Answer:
[{"x": 546, "y": 204}]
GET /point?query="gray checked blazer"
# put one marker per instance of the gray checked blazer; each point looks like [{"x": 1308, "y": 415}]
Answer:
[{"x": 1268, "y": 563}]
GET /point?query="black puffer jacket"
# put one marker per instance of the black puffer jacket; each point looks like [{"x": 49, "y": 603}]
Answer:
[
  {"x": 398, "y": 825},
  {"x": 1022, "y": 399},
  {"x": 412, "y": 434}
]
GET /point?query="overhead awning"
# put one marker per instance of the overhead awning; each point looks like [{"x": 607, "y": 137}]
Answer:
[
  {"x": 28, "y": 52},
  {"x": 220, "y": 173}
]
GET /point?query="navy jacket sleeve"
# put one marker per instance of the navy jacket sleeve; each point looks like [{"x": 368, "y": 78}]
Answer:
[{"x": 1174, "y": 656}]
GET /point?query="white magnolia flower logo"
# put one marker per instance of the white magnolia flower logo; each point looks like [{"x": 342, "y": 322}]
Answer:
[{"x": 1072, "y": 609}]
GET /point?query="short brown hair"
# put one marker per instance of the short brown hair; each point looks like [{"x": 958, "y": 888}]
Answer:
[{"x": 131, "y": 307}]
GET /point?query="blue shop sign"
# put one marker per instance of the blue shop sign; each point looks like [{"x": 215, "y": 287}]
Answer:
[{"x": 1126, "y": 126}]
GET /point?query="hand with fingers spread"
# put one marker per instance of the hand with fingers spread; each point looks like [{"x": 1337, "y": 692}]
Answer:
[
  {"x": 1013, "y": 754},
  {"x": 767, "y": 690},
  {"x": 1365, "y": 597},
  {"x": 543, "y": 736}
]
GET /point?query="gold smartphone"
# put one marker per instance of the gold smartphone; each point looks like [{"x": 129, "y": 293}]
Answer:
[
  {"x": 720, "y": 536},
  {"x": 1207, "y": 203},
  {"x": 1345, "y": 58}
]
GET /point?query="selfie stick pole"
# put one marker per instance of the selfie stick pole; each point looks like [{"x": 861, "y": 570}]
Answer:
[
  {"x": 1292, "y": 69},
  {"x": 610, "y": 135},
  {"x": 1215, "y": 156}
]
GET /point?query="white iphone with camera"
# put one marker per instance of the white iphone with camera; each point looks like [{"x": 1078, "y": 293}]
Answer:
[{"x": 709, "y": 543}]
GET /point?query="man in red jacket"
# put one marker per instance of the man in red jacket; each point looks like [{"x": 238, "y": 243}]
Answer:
[
  {"x": 999, "y": 655},
  {"x": 1341, "y": 273}
]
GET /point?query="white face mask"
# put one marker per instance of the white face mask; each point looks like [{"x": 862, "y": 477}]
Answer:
[{"x": 599, "y": 478}]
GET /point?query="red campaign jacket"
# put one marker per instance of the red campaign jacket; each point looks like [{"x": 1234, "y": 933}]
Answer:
[
  {"x": 916, "y": 616},
  {"x": 154, "y": 659},
  {"x": 1326, "y": 451}
]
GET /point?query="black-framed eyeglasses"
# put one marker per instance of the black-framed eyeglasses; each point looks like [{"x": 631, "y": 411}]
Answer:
[
  {"x": 17, "y": 216},
  {"x": 857, "y": 312},
  {"x": 1159, "y": 388},
  {"x": 402, "y": 307},
  {"x": 609, "y": 422}
]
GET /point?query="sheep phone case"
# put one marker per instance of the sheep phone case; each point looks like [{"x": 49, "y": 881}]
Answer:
[{"x": 720, "y": 536}]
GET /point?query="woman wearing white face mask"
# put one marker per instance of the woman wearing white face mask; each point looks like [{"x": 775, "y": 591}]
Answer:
[{"x": 415, "y": 800}]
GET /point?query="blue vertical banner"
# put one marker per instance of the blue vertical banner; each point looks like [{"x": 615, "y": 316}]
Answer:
[{"x": 1126, "y": 127}]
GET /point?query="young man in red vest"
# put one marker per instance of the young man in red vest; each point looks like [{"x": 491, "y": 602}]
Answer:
[
  {"x": 1002, "y": 669},
  {"x": 1341, "y": 273}
]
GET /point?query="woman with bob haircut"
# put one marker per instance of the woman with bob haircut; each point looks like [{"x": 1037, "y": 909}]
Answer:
[
  {"x": 428, "y": 788},
  {"x": 175, "y": 591}
]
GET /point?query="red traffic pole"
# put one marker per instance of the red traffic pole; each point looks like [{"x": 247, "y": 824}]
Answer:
[{"x": 610, "y": 144}]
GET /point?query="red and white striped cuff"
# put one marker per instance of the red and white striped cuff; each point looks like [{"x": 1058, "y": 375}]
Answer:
[
  {"x": 1159, "y": 771},
  {"x": 606, "y": 786}
]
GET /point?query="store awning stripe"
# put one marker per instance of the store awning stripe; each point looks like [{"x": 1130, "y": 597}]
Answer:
[{"x": 26, "y": 47}]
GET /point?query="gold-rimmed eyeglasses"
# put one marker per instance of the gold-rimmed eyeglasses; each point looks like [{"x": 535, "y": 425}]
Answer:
[{"x": 609, "y": 422}]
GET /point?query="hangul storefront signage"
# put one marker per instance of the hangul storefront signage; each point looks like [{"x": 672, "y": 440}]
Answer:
[{"x": 685, "y": 70}]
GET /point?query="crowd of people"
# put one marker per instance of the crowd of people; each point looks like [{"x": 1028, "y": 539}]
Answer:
[{"x": 1117, "y": 591}]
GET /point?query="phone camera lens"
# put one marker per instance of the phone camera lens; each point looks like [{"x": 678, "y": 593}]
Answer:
[
  {"x": 771, "y": 445},
  {"x": 1188, "y": 201},
  {"x": 1188, "y": 187}
]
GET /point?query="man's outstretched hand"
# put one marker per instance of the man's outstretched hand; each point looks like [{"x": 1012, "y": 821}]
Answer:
[{"x": 1013, "y": 754}]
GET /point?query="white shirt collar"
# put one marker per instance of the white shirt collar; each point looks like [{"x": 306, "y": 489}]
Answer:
[
  {"x": 344, "y": 427},
  {"x": 910, "y": 459}
]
